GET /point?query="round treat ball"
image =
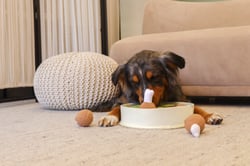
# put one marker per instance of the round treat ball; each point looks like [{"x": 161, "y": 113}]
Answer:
[
  {"x": 75, "y": 81},
  {"x": 195, "y": 124},
  {"x": 84, "y": 118}
]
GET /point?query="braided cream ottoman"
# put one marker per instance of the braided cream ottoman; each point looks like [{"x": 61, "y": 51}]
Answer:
[{"x": 74, "y": 81}]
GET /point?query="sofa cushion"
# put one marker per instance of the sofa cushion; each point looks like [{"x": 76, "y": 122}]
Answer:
[{"x": 172, "y": 15}]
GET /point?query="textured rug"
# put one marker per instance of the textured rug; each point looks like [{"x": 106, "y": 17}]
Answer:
[{"x": 31, "y": 135}]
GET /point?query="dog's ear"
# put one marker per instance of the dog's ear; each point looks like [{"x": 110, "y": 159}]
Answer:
[
  {"x": 118, "y": 74},
  {"x": 172, "y": 60}
]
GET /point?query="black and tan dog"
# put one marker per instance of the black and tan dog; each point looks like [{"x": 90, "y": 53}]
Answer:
[{"x": 150, "y": 70}]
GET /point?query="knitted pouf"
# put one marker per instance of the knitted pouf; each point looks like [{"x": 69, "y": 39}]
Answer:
[{"x": 74, "y": 81}]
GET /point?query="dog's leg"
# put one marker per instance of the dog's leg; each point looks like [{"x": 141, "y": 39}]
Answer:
[
  {"x": 111, "y": 119},
  {"x": 210, "y": 118}
]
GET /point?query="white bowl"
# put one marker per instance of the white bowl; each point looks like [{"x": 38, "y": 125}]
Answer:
[{"x": 158, "y": 118}]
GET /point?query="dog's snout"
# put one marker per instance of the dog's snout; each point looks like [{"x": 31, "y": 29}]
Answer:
[
  {"x": 141, "y": 95},
  {"x": 140, "y": 99}
]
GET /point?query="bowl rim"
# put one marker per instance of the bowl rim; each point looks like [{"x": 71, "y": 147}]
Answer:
[
  {"x": 160, "y": 108},
  {"x": 150, "y": 112}
]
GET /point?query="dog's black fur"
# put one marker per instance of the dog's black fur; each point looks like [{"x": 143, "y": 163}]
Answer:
[{"x": 148, "y": 70}]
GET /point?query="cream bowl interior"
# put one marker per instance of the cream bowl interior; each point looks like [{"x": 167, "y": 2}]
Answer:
[{"x": 168, "y": 116}]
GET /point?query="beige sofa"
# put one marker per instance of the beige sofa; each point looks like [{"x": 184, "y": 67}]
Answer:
[{"x": 213, "y": 37}]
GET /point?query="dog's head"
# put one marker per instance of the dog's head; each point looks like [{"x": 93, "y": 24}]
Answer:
[{"x": 148, "y": 70}]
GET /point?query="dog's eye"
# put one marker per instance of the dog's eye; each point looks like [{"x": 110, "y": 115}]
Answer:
[{"x": 156, "y": 79}]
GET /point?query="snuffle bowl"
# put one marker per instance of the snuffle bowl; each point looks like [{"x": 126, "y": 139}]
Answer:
[{"x": 167, "y": 116}]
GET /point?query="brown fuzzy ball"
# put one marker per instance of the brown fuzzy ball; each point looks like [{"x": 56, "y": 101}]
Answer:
[{"x": 84, "y": 118}]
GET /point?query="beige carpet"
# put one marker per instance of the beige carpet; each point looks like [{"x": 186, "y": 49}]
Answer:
[{"x": 30, "y": 136}]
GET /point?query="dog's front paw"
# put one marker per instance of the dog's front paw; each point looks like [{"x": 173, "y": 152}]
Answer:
[
  {"x": 108, "y": 121},
  {"x": 214, "y": 119}
]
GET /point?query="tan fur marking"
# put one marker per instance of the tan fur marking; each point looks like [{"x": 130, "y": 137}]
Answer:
[
  {"x": 200, "y": 111},
  {"x": 149, "y": 74},
  {"x": 139, "y": 93},
  {"x": 135, "y": 78},
  {"x": 115, "y": 112},
  {"x": 158, "y": 94}
]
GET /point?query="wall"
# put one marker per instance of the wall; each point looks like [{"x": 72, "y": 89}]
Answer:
[{"x": 131, "y": 15}]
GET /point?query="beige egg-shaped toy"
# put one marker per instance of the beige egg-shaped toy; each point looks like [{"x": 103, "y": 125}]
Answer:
[{"x": 195, "y": 124}]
